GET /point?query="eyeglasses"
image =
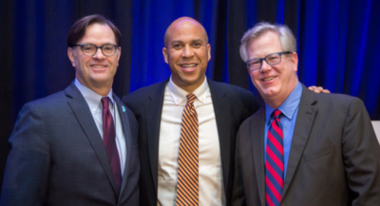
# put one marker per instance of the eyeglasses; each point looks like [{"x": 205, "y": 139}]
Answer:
[
  {"x": 91, "y": 49},
  {"x": 271, "y": 59}
]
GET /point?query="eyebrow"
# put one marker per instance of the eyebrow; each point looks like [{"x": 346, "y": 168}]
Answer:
[{"x": 179, "y": 41}]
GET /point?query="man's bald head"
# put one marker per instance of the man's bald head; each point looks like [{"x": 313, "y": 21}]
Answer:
[
  {"x": 182, "y": 21},
  {"x": 187, "y": 53}
]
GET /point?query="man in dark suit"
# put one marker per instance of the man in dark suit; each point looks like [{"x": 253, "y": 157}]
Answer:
[
  {"x": 58, "y": 154},
  {"x": 158, "y": 108},
  {"x": 301, "y": 148}
]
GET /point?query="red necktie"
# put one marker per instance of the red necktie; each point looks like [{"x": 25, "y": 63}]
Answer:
[
  {"x": 274, "y": 165},
  {"x": 187, "y": 186},
  {"x": 109, "y": 141}
]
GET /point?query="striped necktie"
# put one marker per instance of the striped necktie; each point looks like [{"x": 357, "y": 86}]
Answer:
[
  {"x": 274, "y": 165},
  {"x": 110, "y": 143},
  {"x": 187, "y": 185}
]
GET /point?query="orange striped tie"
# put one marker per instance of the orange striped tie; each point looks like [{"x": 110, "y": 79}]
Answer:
[{"x": 187, "y": 185}]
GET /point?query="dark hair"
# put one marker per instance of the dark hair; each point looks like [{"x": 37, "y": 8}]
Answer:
[{"x": 78, "y": 29}]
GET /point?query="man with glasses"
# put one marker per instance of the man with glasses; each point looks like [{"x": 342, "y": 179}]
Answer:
[
  {"x": 159, "y": 108},
  {"x": 301, "y": 148},
  {"x": 78, "y": 146}
]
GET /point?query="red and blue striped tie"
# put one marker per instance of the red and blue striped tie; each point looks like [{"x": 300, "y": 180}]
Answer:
[{"x": 274, "y": 164}]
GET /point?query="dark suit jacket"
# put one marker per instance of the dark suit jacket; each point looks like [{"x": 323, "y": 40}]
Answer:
[
  {"x": 57, "y": 156},
  {"x": 334, "y": 157},
  {"x": 232, "y": 105}
]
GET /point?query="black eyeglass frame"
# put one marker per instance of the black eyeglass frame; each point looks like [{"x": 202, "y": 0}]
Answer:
[
  {"x": 97, "y": 47},
  {"x": 265, "y": 59}
]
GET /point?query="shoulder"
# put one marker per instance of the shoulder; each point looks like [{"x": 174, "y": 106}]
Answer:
[
  {"x": 229, "y": 88},
  {"x": 49, "y": 102},
  {"x": 144, "y": 92},
  {"x": 329, "y": 101},
  {"x": 232, "y": 92},
  {"x": 335, "y": 96},
  {"x": 239, "y": 98},
  {"x": 335, "y": 107},
  {"x": 35, "y": 114},
  {"x": 338, "y": 100},
  {"x": 136, "y": 101},
  {"x": 255, "y": 119}
]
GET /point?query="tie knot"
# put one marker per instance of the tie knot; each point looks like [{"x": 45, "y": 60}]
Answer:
[
  {"x": 190, "y": 98},
  {"x": 105, "y": 102},
  {"x": 276, "y": 113}
]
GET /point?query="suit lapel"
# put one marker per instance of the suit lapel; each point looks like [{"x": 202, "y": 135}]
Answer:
[
  {"x": 82, "y": 112},
  {"x": 153, "y": 110},
  {"x": 223, "y": 122},
  {"x": 257, "y": 132},
  {"x": 126, "y": 132},
  {"x": 305, "y": 118}
]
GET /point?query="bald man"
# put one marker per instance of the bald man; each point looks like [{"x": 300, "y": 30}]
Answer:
[{"x": 221, "y": 108}]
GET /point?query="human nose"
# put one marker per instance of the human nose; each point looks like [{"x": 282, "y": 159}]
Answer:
[
  {"x": 187, "y": 51},
  {"x": 265, "y": 66},
  {"x": 99, "y": 54}
]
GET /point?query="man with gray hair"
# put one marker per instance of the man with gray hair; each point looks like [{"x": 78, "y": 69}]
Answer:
[{"x": 300, "y": 148}]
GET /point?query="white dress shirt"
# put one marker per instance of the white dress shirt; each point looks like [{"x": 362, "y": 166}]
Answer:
[
  {"x": 93, "y": 100},
  {"x": 210, "y": 168}
]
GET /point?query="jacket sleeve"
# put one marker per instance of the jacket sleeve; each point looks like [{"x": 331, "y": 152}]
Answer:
[
  {"x": 27, "y": 168},
  {"x": 361, "y": 156},
  {"x": 238, "y": 194}
]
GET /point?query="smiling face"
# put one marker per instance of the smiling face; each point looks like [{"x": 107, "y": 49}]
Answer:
[
  {"x": 95, "y": 72},
  {"x": 275, "y": 82},
  {"x": 187, "y": 52}
]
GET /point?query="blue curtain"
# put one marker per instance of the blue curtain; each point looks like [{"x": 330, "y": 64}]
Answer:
[{"x": 338, "y": 42}]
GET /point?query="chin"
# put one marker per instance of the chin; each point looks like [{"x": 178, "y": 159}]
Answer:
[
  {"x": 190, "y": 78},
  {"x": 270, "y": 92},
  {"x": 100, "y": 79}
]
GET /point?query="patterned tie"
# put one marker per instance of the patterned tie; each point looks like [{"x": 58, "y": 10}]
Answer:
[
  {"x": 109, "y": 142},
  {"x": 274, "y": 165},
  {"x": 187, "y": 186}
]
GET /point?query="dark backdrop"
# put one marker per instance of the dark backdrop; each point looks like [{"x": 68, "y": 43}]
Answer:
[{"x": 338, "y": 42}]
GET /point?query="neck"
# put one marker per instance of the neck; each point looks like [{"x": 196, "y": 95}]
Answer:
[
  {"x": 273, "y": 103},
  {"x": 189, "y": 88},
  {"x": 102, "y": 91}
]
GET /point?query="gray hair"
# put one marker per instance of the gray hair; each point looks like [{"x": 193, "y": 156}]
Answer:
[{"x": 288, "y": 42}]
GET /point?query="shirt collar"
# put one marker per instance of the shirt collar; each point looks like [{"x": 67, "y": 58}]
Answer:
[
  {"x": 92, "y": 98},
  {"x": 179, "y": 95},
  {"x": 288, "y": 107}
]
